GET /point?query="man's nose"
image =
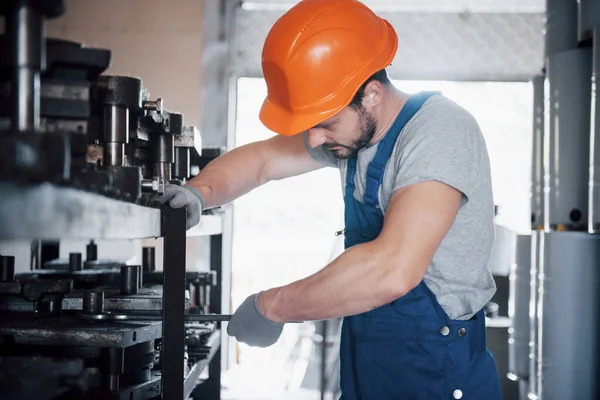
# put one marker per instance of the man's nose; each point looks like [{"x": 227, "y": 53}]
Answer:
[{"x": 315, "y": 138}]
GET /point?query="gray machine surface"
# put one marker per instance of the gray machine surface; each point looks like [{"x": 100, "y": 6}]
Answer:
[
  {"x": 568, "y": 318},
  {"x": 553, "y": 341},
  {"x": 83, "y": 155}
]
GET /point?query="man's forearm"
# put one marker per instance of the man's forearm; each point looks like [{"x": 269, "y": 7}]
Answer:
[
  {"x": 231, "y": 175},
  {"x": 359, "y": 280}
]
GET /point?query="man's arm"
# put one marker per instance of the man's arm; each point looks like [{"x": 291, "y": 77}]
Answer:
[
  {"x": 243, "y": 169},
  {"x": 375, "y": 273}
]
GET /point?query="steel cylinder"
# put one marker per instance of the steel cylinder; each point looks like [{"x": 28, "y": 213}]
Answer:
[
  {"x": 181, "y": 164},
  {"x": 537, "y": 166},
  {"x": 568, "y": 317},
  {"x": 75, "y": 262},
  {"x": 130, "y": 279},
  {"x": 91, "y": 251},
  {"x": 116, "y": 134},
  {"x": 148, "y": 259},
  {"x": 588, "y": 17},
  {"x": 7, "y": 268},
  {"x": 566, "y": 140},
  {"x": 518, "y": 308},
  {"x": 561, "y": 26},
  {"x": 594, "y": 160},
  {"x": 24, "y": 26},
  {"x": 162, "y": 148},
  {"x": 116, "y": 123},
  {"x": 93, "y": 302}
]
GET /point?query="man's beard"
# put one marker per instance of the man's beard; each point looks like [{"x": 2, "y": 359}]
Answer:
[{"x": 367, "y": 126}]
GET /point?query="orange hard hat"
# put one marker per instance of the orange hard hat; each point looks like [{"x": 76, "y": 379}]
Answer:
[{"x": 316, "y": 57}]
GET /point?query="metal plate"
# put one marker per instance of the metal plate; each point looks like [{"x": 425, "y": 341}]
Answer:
[
  {"x": 49, "y": 212},
  {"x": 443, "y": 44},
  {"x": 72, "y": 331}
]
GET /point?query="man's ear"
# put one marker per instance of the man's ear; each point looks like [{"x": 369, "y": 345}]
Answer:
[{"x": 373, "y": 95}]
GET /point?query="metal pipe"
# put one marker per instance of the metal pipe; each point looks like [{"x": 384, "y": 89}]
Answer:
[
  {"x": 567, "y": 342},
  {"x": 566, "y": 140},
  {"x": 594, "y": 155},
  {"x": 537, "y": 260},
  {"x": 24, "y": 26},
  {"x": 537, "y": 166},
  {"x": 116, "y": 134},
  {"x": 518, "y": 309}
]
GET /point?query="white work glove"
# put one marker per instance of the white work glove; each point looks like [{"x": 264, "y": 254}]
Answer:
[{"x": 180, "y": 196}]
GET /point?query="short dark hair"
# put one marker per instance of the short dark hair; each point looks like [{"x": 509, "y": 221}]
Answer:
[{"x": 380, "y": 76}]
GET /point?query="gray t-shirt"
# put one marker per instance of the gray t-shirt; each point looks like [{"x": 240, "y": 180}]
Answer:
[{"x": 442, "y": 142}]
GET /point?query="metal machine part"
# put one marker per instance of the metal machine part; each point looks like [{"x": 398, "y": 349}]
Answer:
[
  {"x": 117, "y": 336},
  {"x": 130, "y": 279},
  {"x": 568, "y": 279},
  {"x": 567, "y": 139},
  {"x": 7, "y": 268},
  {"x": 518, "y": 311},
  {"x": 537, "y": 166},
  {"x": 561, "y": 27},
  {"x": 75, "y": 262},
  {"x": 594, "y": 161},
  {"x": 91, "y": 252},
  {"x": 588, "y": 17},
  {"x": 148, "y": 259}
]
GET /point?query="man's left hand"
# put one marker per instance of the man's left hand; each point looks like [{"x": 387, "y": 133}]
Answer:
[{"x": 249, "y": 325}]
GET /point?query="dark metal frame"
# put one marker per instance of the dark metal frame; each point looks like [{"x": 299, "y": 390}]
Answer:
[
  {"x": 173, "y": 341},
  {"x": 173, "y": 345}
]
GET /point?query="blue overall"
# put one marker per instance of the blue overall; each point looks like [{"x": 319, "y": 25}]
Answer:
[{"x": 409, "y": 349}]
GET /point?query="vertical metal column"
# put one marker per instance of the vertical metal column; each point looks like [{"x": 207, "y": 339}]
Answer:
[
  {"x": 567, "y": 140},
  {"x": 518, "y": 309},
  {"x": 173, "y": 345},
  {"x": 216, "y": 263},
  {"x": 594, "y": 165},
  {"x": 537, "y": 166},
  {"x": 537, "y": 259},
  {"x": 568, "y": 318},
  {"x": 25, "y": 29}
]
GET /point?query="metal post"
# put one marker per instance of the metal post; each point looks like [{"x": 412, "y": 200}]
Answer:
[
  {"x": 173, "y": 345},
  {"x": 323, "y": 382},
  {"x": 537, "y": 166},
  {"x": 216, "y": 264}
]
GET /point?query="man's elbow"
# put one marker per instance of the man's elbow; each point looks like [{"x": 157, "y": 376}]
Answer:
[{"x": 397, "y": 281}]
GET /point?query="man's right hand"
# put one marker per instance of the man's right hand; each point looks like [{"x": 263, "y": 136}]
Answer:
[{"x": 180, "y": 196}]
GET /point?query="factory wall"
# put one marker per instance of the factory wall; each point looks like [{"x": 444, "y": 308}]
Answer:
[{"x": 157, "y": 41}]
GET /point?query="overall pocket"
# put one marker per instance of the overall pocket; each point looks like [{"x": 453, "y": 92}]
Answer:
[{"x": 400, "y": 369}]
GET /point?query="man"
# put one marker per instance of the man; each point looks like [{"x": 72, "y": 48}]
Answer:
[{"x": 413, "y": 280}]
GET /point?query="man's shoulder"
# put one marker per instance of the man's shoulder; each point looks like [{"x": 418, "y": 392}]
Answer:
[{"x": 439, "y": 108}]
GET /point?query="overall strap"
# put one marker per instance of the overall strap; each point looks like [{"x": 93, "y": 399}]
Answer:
[
  {"x": 350, "y": 173},
  {"x": 386, "y": 146}
]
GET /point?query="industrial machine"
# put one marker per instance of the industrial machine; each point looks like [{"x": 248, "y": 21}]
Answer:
[
  {"x": 83, "y": 156},
  {"x": 553, "y": 344}
]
